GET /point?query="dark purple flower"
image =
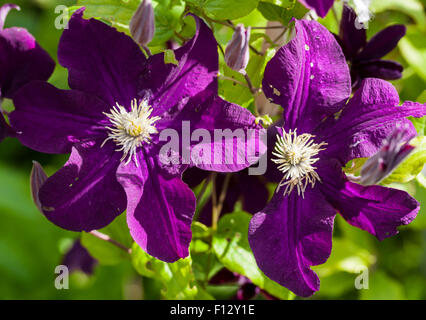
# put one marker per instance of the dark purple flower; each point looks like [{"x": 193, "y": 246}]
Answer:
[
  {"x": 365, "y": 57},
  {"x": 78, "y": 258},
  {"x": 109, "y": 121},
  {"x": 321, "y": 132},
  {"x": 321, "y": 7},
  {"x": 21, "y": 61},
  {"x": 21, "y": 58},
  {"x": 250, "y": 189}
]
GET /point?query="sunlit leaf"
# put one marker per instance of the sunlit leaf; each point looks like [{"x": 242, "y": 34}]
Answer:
[{"x": 232, "y": 249}]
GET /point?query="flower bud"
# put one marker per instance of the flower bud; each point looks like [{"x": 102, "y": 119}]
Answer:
[
  {"x": 237, "y": 50},
  {"x": 142, "y": 25},
  {"x": 37, "y": 179},
  {"x": 391, "y": 154}
]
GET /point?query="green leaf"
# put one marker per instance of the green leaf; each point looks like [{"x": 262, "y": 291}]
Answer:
[
  {"x": 282, "y": 13},
  {"x": 104, "y": 251},
  {"x": 413, "y": 48},
  {"x": 412, "y": 8},
  {"x": 411, "y": 167},
  {"x": 225, "y": 9},
  {"x": 119, "y": 13},
  {"x": 177, "y": 278},
  {"x": 231, "y": 246},
  {"x": 382, "y": 287},
  {"x": 347, "y": 257},
  {"x": 420, "y": 123},
  {"x": 169, "y": 57}
]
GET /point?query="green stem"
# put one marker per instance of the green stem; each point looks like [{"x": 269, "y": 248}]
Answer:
[{"x": 107, "y": 238}]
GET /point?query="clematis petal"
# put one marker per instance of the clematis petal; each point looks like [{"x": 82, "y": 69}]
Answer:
[
  {"x": 21, "y": 60},
  {"x": 290, "y": 235},
  {"x": 84, "y": 195},
  {"x": 353, "y": 39},
  {"x": 159, "y": 211},
  {"x": 376, "y": 209},
  {"x": 369, "y": 118},
  {"x": 308, "y": 77},
  {"x": 234, "y": 140},
  {"x": 100, "y": 60},
  {"x": 382, "y": 43},
  {"x": 321, "y": 7},
  {"x": 51, "y": 120},
  {"x": 254, "y": 192},
  {"x": 168, "y": 84},
  {"x": 382, "y": 69}
]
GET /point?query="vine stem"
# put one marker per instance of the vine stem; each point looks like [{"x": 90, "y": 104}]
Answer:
[
  {"x": 253, "y": 91},
  {"x": 107, "y": 238},
  {"x": 147, "y": 51}
]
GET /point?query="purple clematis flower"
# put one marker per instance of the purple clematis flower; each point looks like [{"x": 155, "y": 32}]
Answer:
[
  {"x": 110, "y": 121},
  {"x": 321, "y": 7},
  {"x": 21, "y": 61},
  {"x": 321, "y": 132},
  {"x": 365, "y": 57}
]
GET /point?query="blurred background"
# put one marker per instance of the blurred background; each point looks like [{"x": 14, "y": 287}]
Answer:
[{"x": 31, "y": 247}]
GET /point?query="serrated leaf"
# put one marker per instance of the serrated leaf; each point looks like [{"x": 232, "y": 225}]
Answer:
[
  {"x": 177, "y": 278},
  {"x": 231, "y": 247},
  {"x": 410, "y": 168}
]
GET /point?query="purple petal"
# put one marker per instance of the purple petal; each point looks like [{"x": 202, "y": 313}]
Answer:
[
  {"x": 321, "y": 7},
  {"x": 21, "y": 60},
  {"x": 159, "y": 211},
  {"x": 308, "y": 77},
  {"x": 382, "y": 43},
  {"x": 168, "y": 84},
  {"x": 353, "y": 39},
  {"x": 51, "y": 120},
  {"x": 78, "y": 258},
  {"x": 101, "y": 60},
  {"x": 214, "y": 116},
  {"x": 382, "y": 69},
  {"x": 375, "y": 209},
  {"x": 290, "y": 235},
  {"x": 84, "y": 195},
  {"x": 254, "y": 192},
  {"x": 369, "y": 118}
]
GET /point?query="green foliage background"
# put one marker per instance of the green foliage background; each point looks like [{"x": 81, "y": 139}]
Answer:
[{"x": 31, "y": 247}]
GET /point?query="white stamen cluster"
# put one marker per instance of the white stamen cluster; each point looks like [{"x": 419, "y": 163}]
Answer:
[
  {"x": 130, "y": 129},
  {"x": 295, "y": 157}
]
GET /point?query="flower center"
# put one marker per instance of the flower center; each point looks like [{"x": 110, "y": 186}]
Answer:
[
  {"x": 295, "y": 157},
  {"x": 130, "y": 129}
]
